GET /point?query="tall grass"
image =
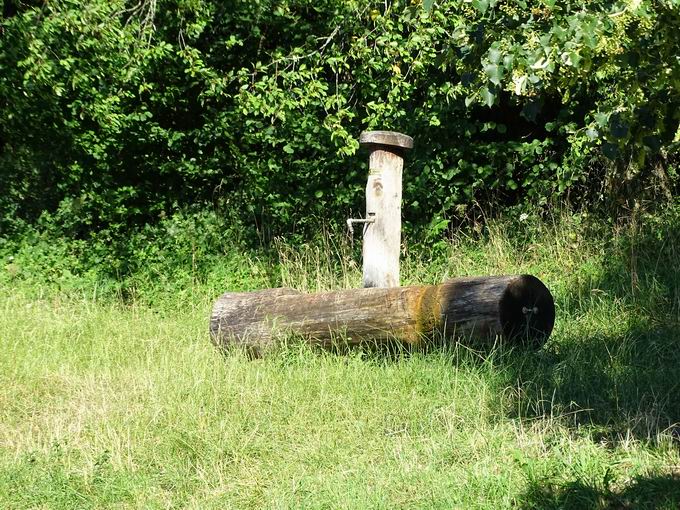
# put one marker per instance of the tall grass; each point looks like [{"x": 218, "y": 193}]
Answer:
[{"x": 123, "y": 402}]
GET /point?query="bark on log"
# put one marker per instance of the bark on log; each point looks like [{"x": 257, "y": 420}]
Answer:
[{"x": 519, "y": 308}]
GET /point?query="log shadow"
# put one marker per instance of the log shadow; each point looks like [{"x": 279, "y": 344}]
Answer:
[
  {"x": 618, "y": 375},
  {"x": 650, "y": 492},
  {"x": 617, "y": 386}
]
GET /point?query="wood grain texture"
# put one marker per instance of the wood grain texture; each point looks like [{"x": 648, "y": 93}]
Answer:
[
  {"x": 382, "y": 238},
  {"x": 519, "y": 308}
]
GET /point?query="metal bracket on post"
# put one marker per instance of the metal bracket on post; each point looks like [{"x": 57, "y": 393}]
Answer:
[
  {"x": 352, "y": 221},
  {"x": 382, "y": 241},
  {"x": 350, "y": 226}
]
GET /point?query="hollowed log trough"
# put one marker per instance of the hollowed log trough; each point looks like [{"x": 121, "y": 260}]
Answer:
[{"x": 518, "y": 308}]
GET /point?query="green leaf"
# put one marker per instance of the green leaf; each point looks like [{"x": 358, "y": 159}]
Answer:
[
  {"x": 288, "y": 149},
  {"x": 427, "y": 5},
  {"x": 494, "y": 72},
  {"x": 520, "y": 82},
  {"x": 601, "y": 119},
  {"x": 488, "y": 97},
  {"x": 480, "y": 5}
]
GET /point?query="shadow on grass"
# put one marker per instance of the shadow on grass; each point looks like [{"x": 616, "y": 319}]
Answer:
[
  {"x": 655, "y": 492},
  {"x": 615, "y": 366},
  {"x": 618, "y": 385}
]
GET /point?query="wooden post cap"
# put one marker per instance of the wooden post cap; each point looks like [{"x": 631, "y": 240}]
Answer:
[{"x": 386, "y": 138}]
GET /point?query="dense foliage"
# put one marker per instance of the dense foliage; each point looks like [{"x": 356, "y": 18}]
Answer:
[{"x": 116, "y": 114}]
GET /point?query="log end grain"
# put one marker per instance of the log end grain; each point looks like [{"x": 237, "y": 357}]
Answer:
[{"x": 527, "y": 311}]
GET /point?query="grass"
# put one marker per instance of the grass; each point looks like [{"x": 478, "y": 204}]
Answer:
[{"x": 105, "y": 403}]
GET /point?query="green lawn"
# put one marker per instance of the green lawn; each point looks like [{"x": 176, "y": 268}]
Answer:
[{"x": 127, "y": 404}]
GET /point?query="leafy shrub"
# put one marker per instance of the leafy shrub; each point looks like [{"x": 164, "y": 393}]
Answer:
[
  {"x": 117, "y": 114},
  {"x": 167, "y": 261}
]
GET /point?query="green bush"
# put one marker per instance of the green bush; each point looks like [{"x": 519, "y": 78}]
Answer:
[{"x": 118, "y": 114}]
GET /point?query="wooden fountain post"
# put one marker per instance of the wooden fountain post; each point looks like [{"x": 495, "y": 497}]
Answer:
[{"x": 382, "y": 233}]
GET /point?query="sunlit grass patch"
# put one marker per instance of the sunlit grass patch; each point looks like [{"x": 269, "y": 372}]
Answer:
[{"x": 126, "y": 403}]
